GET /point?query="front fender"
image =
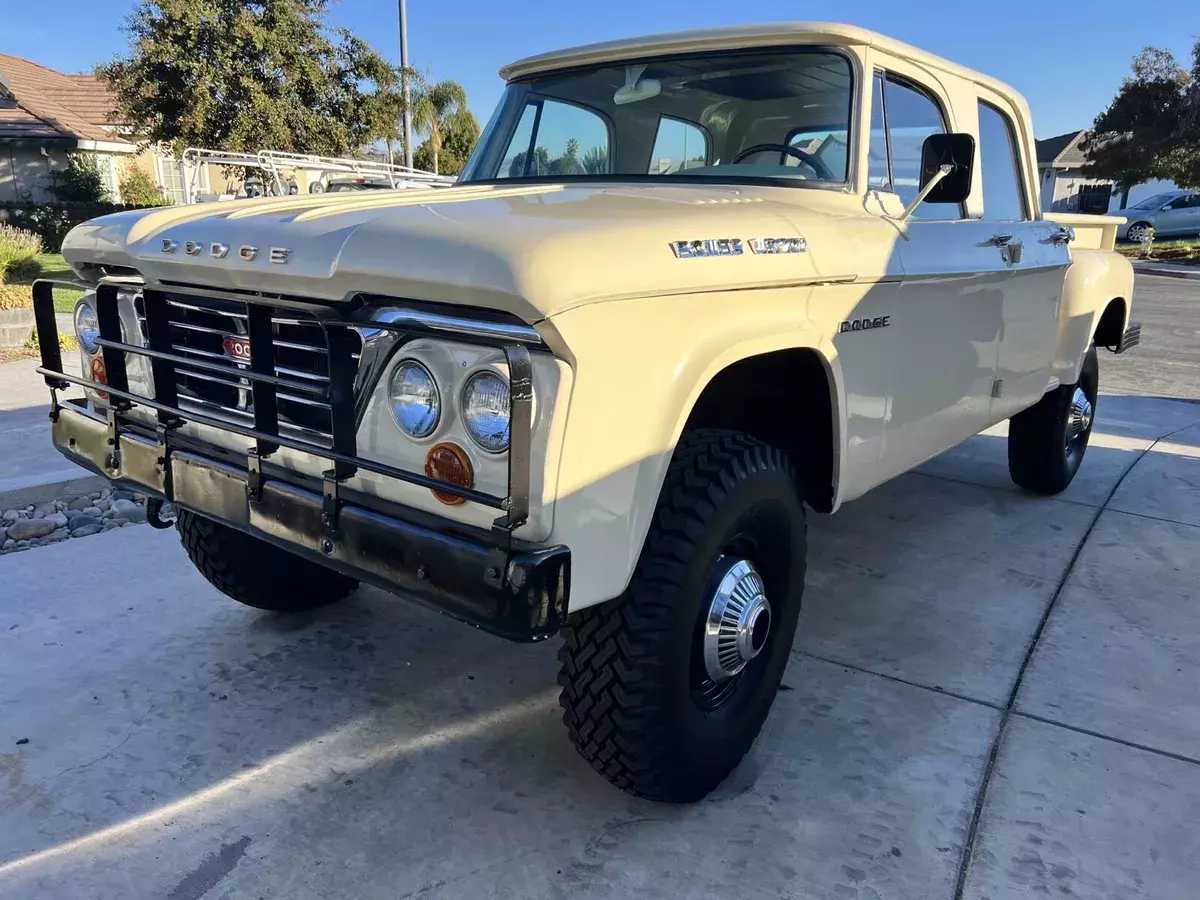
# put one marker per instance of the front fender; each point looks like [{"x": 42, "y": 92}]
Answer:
[
  {"x": 640, "y": 366},
  {"x": 1095, "y": 279}
]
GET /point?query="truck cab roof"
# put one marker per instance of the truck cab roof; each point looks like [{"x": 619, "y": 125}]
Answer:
[{"x": 740, "y": 37}]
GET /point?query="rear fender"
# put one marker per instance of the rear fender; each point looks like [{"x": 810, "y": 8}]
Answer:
[{"x": 1098, "y": 282}]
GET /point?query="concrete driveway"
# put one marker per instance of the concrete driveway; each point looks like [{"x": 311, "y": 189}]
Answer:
[{"x": 993, "y": 695}]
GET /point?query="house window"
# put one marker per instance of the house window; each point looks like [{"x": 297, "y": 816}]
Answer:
[
  {"x": 106, "y": 165},
  {"x": 172, "y": 181}
]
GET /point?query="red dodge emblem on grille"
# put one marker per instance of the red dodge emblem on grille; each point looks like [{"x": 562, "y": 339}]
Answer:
[{"x": 237, "y": 347}]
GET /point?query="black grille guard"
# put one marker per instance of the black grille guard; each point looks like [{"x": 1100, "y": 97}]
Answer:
[{"x": 342, "y": 344}]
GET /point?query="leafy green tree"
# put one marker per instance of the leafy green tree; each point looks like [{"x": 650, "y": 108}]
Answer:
[
  {"x": 433, "y": 106},
  {"x": 79, "y": 181},
  {"x": 539, "y": 165},
  {"x": 1152, "y": 127},
  {"x": 251, "y": 74},
  {"x": 458, "y": 141}
]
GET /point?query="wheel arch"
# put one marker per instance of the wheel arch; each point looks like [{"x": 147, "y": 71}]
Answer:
[
  {"x": 1110, "y": 327},
  {"x": 776, "y": 383},
  {"x": 635, "y": 390}
]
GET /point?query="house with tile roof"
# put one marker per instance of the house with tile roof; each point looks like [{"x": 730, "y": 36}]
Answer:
[
  {"x": 43, "y": 114},
  {"x": 1065, "y": 188}
]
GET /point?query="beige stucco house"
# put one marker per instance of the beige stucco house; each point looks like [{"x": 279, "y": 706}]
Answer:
[{"x": 44, "y": 113}]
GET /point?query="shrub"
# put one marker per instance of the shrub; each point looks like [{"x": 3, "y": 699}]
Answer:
[
  {"x": 19, "y": 252},
  {"x": 139, "y": 189},
  {"x": 80, "y": 181},
  {"x": 16, "y": 296}
]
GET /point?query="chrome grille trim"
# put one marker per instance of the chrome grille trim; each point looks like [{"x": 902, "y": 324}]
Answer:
[{"x": 301, "y": 353}]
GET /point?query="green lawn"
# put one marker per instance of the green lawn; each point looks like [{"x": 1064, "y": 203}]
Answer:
[{"x": 54, "y": 266}]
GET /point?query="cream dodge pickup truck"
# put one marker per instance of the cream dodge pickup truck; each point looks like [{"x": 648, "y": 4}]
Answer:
[{"x": 686, "y": 286}]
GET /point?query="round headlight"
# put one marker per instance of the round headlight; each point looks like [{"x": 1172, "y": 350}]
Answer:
[
  {"x": 485, "y": 411},
  {"x": 416, "y": 404},
  {"x": 87, "y": 328}
]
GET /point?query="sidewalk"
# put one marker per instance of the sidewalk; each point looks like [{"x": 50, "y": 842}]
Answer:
[
  {"x": 27, "y": 459},
  {"x": 1165, "y": 269}
]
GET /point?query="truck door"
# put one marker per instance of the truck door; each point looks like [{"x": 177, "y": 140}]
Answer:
[
  {"x": 948, "y": 311},
  {"x": 1036, "y": 255}
]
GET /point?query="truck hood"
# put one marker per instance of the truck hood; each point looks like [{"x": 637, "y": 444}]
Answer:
[{"x": 533, "y": 251}]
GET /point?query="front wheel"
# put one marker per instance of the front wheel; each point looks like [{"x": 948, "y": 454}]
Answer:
[
  {"x": 257, "y": 573},
  {"x": 1046, "y": 442},
  {"x": 665, "y": 688}
]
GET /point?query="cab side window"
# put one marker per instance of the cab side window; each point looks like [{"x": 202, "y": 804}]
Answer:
[
  {"x": 678, "y": 145},
  {"x": 1003, "y": 193},
  {"x": 909, "y": 116}
]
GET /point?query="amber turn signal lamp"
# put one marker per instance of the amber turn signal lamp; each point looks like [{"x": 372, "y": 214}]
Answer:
[
  {"x": 449, "y": 462},
  {"x": 100, "y": 374}
]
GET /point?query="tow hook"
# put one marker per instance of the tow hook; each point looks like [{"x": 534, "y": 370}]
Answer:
[{"x": 154, "y": 512}]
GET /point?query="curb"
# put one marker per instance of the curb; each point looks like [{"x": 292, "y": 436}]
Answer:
[
  {"x": 1166, "y": 273},
  {"x": 54, "y": 490}
]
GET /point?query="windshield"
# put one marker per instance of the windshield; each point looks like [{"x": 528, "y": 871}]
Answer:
[
  {"x": 1155, "y": 202},
  {"x": 727, "y": 116}
]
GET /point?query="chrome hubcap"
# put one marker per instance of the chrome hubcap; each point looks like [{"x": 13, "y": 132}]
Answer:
[
  {"x": 1079, "y": 418},
  {"x": 738, "y": 622}
]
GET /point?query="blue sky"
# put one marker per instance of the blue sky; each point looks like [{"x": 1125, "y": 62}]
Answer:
[{"x": 1067, "y": 62}]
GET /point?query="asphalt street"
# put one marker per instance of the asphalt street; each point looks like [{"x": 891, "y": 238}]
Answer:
[{"x": 1167, "y": 364}]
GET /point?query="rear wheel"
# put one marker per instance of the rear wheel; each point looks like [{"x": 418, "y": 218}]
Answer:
[
  {"x": 1046, "y": 442},
  {"x": 257, "y": 573},
  {"x": 665, "y": 688}
]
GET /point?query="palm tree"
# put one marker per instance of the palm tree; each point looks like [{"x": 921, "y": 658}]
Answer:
[
  {"x": 432, "y": 106},
  {"x": 595, "y": 161}
]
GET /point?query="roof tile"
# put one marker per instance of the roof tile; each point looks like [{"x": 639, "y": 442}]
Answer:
[{"x": 54, "y": 104}]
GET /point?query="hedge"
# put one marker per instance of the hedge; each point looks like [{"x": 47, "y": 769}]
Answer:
[{"x": 52, "y": 221}]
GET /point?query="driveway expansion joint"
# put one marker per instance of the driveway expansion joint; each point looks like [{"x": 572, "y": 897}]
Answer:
[{"x": 1008, "y": 710}]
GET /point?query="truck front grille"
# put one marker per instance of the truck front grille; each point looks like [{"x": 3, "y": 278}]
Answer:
[{"x": 216, "y": 332}]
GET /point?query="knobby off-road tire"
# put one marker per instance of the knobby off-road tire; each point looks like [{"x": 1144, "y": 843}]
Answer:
[
  {"x": 637, "y": 702},
  {"x": 255, "y": 572},
  {"x": 1046, "y": 442}
]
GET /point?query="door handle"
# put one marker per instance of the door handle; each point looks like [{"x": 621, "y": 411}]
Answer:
[
  {"x": 1064, "y": 235},
  {"x": 998, "y": 240}
]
